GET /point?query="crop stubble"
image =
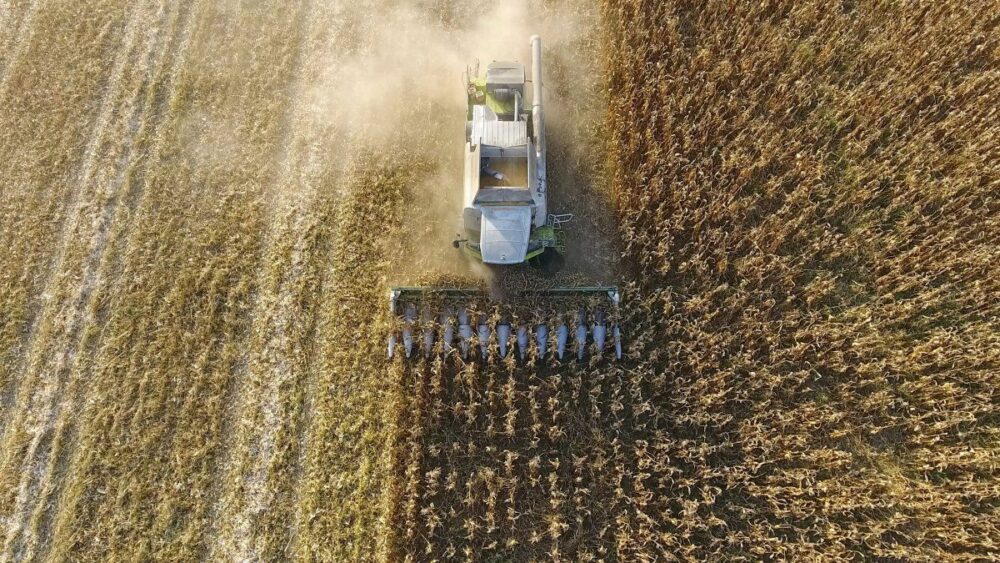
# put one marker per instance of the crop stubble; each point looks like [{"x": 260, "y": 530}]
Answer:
[
  {"x": 61, "y": 343},
  {"x": 203, "y": 223}
]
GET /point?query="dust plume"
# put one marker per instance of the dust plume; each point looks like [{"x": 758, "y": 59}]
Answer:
[{"x": 401, "y": 93}]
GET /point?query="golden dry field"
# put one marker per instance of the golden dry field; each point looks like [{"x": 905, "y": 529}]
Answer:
[{"x": 203, "y": 204}]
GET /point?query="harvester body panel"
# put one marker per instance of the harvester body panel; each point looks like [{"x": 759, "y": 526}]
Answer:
[
  {"x": 505, "y": 165},
  {"x": 504, "y": 234}
]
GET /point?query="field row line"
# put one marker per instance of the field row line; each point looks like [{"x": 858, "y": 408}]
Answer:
[{"x": 108, "y": 181}]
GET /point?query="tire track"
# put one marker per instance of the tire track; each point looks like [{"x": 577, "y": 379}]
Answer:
[
  {"x": 166, "y": 47},
  {"x": 53, "y": 353},
  {"x": 43, "y": 146},
  {"x": 252, "y": 426},
  {"x": 265, "y": 412},
  {"x": 65, "y": 516},
  {"x": 280, "y": 89},
  {"x": 161, "y": 430},
  {"x": 70, "y": 227},
  {"x": 262, "y": 475},
  {"x": 15, "y": 43},
  {"x": 17, "y": 433}
]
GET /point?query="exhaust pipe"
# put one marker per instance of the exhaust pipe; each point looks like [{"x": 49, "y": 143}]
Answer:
[{"x": 537, "y": 115}]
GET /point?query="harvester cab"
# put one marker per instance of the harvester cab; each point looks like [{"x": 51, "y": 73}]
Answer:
[{"x": 506, "y": 222}]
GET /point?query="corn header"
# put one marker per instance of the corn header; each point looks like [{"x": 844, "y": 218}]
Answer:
[
  {"x": 537, "y": 324},
  {"x": 506, "y": 222}
]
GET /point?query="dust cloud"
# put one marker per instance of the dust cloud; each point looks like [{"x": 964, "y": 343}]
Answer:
[{"x": 401, "y": 92}]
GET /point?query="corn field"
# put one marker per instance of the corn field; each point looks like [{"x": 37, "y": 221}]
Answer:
[
  {"x": 808, "y": 199},
  {"x": 204, "y": 203}
]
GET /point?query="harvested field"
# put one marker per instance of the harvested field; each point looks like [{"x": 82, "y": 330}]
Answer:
[{"x": 203, "y": 204}]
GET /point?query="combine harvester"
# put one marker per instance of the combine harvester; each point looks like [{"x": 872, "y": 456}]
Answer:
[{"x": 506, "y": 223}]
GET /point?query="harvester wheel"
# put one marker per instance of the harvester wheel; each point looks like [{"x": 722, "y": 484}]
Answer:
[{"x": 549, "y": 262}]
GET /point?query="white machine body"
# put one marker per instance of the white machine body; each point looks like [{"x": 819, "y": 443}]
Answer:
[{"x": 505, "y": 183}]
